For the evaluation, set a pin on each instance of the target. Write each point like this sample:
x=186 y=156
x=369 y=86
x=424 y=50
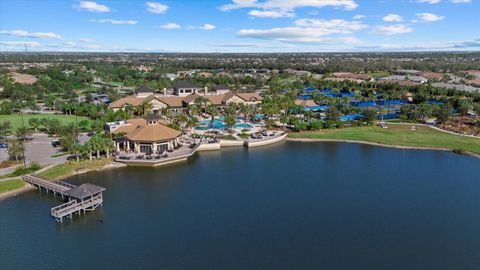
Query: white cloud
x=206 y=26
x=359 y=17
x=460 y=1
x=69 y=44
x=393 y=18
x=270 y=13
x=390 y=30
x=23 y=33
x=431 y=2
x=93 y=7
x=288 y=4
x=114 y=21
x=157 y=8
x=170 y=26
x=20 y=43
x=429 y=17
x=86 y=40
x=275 y=8
x=308 y=31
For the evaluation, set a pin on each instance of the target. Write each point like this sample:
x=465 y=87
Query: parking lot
x=40 y=149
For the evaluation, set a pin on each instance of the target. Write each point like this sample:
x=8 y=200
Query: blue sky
x=240 y=25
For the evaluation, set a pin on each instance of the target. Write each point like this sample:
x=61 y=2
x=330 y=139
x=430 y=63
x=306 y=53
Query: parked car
x=3 y=145
x=55 y=143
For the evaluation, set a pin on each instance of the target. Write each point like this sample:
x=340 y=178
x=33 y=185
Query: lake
x=287 y=206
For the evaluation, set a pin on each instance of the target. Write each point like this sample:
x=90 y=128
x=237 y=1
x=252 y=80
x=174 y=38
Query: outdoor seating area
x=180 y=151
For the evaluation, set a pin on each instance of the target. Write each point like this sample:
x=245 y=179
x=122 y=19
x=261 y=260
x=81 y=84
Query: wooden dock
x=86 y=197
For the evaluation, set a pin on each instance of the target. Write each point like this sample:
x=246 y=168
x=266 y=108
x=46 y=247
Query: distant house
x=184 y=88
x=432 y=76
x=408 y=72
x=352 y=76
x=221 y=89
x=456 y=86
x=143 y=94
x=144 y=91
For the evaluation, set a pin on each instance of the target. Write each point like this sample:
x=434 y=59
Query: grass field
x=69 y=169
x=11 y=185
x=379 y=74
x=399 y=135
x=16 y=119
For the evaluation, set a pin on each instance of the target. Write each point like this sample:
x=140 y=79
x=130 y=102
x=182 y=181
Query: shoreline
x=13 y=193
x=114 y=164
x=307 y=140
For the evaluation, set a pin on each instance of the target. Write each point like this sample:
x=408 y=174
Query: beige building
x=142 y=95
x=146 y=135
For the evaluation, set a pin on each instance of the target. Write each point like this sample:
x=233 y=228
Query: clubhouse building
x=147 y=135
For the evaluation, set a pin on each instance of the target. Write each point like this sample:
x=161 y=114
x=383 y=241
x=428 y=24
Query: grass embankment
x=16 y=119
x=71 y=168
x=397 y=135
x=9 y=185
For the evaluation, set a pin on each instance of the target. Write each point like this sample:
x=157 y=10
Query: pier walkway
x=86 y=197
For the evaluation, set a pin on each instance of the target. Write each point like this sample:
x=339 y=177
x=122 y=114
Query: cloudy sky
x=239 y=25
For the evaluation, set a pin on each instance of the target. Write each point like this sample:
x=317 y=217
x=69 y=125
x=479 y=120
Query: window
x=162 y=148
x=145 y=148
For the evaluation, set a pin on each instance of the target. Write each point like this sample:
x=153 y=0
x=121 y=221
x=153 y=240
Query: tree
x=212 y=111
x=34 y=123
x=143 y=109
x=17 y=149
x=369 y=115
x=230 y=121
x=332 y=113
x=382 y=111
x=181 y=120
x=443 y=113
x=5 y=128
x=231 y=109
x=22 y=133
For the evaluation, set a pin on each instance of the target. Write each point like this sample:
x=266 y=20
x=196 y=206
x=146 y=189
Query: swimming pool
x=219 y=124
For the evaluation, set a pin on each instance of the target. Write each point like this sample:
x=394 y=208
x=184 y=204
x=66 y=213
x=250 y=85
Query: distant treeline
x=314 y=62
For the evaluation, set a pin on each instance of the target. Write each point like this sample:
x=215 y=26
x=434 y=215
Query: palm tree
x=230 y=122
x=212 y=111
x=244 y=109
x=202 y=102
x=192 y=122
x=382 y=111
x=231 y=109
x=194 y=110
x=144 y=108
x=181 y=120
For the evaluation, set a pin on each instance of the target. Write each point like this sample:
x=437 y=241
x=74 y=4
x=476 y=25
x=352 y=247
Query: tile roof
x=173 y=101
x=153 y=133
x=250 y=96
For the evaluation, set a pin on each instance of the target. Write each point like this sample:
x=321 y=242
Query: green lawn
x=400 y=135
x=379 y=74
x=11 y=185
x=69 y=169
x=16 y=119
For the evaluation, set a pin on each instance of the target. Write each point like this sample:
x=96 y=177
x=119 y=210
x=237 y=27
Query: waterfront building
x=145 y=135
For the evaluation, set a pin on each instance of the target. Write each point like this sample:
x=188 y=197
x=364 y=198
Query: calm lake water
x=288 y=206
